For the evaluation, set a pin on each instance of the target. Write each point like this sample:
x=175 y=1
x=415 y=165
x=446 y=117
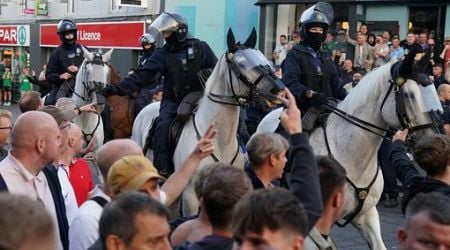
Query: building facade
x=210 y=20
x=28 y=29
x=396 y=16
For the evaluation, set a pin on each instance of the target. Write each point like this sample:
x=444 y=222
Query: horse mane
x=114 y=76
x=368 y=89
x=215 y=75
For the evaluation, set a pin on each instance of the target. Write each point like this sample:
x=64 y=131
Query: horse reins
x=215 y=158
x=88 y=136
x=362 y=193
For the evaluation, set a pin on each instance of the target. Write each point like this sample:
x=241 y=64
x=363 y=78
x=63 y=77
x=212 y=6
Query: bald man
x=35 y=139
x=77 y=169
x=84 y=228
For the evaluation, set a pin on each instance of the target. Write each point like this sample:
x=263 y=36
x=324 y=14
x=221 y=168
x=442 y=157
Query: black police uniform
x=144 y=96
x=68 y=53
x=179 y=65
x=307 y=69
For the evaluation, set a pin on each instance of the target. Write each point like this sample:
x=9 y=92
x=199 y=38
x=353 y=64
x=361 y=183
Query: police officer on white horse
x=65 y=61
x=179 y=61
x=308 y=72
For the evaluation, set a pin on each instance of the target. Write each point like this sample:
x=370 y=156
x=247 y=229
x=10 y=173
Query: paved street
x=345 y=238
x=349 y=238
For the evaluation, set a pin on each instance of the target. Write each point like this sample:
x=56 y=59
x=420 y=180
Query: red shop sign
x=124 y=35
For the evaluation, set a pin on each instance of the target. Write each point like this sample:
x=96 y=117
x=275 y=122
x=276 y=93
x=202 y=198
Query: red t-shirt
x=81 y=179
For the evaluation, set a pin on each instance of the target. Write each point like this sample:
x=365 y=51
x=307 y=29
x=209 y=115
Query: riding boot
x=162 y=156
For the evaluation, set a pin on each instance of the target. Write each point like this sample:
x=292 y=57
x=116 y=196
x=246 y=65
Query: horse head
x=414 y=103
x=93 y=75
x=250 y=74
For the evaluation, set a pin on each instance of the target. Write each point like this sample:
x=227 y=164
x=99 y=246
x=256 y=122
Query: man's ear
x=71 y=141
x=338 y=198
x=298 y=243
x=272 y=159
x=40 y=145
x=114 y=242
x=402 y=235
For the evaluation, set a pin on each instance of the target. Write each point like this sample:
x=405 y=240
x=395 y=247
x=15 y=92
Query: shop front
x=123 y=37
x=14 y=52
x=397 y=16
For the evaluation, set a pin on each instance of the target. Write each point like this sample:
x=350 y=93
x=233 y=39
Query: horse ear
x=423 y=62
x=251 y=40
x=107 y=56
x=231 y=42
x=87 y=55
x=405 y=69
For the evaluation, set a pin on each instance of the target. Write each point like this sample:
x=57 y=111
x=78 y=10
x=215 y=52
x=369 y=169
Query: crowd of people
x=52 y=200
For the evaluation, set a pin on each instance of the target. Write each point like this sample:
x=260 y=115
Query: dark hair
x=118 y=217
x=436 y=205
x=332 y=176
x=432 y=153
x=283 y=36
x=221 y=191
x=438 y=65
x=30 y=101
x=274 y=208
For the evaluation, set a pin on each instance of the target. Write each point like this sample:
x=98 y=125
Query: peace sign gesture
x=205 y=146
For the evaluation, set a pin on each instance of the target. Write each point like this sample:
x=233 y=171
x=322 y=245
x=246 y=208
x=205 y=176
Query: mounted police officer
x=307 y=72
x=148 y=43
x=64 y=62
x=179 y=61
x=144 y=96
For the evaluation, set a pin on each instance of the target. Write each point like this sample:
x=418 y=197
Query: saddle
x=184 y=112
x=317 y=116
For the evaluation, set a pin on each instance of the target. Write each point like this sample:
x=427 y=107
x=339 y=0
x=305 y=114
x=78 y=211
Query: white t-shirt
x=281 y=51
x=69 y=195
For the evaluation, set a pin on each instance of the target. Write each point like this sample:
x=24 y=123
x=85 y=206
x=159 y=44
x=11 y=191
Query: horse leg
x=368 y=226
x=190 y=202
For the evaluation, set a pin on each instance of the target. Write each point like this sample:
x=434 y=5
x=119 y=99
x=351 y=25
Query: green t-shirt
x=25 y=84
x=7 y=79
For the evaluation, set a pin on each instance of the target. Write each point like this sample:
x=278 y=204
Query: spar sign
x=123 y=35
x=15 y=35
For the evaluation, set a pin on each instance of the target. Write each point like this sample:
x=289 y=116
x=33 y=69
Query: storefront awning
x=266 y=2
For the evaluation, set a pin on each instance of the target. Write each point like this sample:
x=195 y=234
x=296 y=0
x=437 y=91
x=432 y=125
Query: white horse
x=93 y=75
x=376 y=100
x=240 y=74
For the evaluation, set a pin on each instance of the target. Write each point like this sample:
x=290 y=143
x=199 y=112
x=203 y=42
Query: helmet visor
x=164 y=22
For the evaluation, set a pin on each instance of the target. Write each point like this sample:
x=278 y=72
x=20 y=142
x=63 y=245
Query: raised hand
x=205 y=146
x=400 y=135
x=291 y=116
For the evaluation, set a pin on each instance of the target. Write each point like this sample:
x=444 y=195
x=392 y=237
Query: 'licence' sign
x=123 y=35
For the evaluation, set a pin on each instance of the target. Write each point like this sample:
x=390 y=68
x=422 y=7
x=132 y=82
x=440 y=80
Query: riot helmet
x=66 y=26
x=318 y=15
x=146 y=40
x=172 y=25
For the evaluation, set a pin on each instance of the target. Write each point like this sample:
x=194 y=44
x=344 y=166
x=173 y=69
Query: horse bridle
x=97 y=60
x=362 y=193
x=401 y=111
x=236 y=100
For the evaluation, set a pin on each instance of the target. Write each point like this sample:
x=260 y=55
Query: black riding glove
x=108 y=91
x=318 y=99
